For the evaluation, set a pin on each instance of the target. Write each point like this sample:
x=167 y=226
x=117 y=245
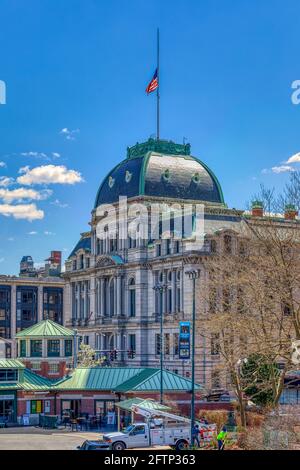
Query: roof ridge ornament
x=167 y=147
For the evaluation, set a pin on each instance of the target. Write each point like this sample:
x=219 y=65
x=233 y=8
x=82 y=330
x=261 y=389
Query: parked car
x=94 y=445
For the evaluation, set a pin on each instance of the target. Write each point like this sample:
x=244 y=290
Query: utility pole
x=193 y=275
x=160 y=288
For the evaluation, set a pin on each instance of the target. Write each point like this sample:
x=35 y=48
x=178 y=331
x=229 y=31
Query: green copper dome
x=162 y=169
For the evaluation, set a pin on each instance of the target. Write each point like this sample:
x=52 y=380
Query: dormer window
x=9 y=375
x=81 y=262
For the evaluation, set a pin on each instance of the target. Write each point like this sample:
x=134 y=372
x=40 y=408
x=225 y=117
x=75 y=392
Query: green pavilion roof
x=11 y=364
x=114 y=379
x=46 y=328
x=29 y=381
x=149 y=380
x=123 y=379
x=97 y=378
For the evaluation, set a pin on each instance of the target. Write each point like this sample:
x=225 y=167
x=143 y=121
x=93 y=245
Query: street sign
x=184 y=340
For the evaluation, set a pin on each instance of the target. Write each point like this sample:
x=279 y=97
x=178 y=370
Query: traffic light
x=131 y=354
x=113 y=355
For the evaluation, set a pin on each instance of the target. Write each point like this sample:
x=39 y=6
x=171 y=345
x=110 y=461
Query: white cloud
x=59 y=204
x=69 y=134
x=34 y=154
x=20 y=194
x=282 y=169
x=55 y=155
x=32 y=233
x=1 y=260
x=294 y=158
x=48 y=174
x=5 y=181
x=2 y=165
x=23 y=211
x=46 y=232
x=11 y=239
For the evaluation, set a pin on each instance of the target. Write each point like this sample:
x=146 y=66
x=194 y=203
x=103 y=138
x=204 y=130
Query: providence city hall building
x=117 y=287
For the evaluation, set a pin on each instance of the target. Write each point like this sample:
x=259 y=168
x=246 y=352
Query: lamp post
x=193 y=274
x=160 y=288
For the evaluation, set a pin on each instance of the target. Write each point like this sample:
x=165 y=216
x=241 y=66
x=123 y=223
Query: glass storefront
x=8 y=408
x=71 y=408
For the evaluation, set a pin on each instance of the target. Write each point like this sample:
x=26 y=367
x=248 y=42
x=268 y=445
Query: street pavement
x=32 y=438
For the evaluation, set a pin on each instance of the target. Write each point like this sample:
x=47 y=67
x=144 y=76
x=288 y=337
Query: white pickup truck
x=144 y=435
x=160 y=428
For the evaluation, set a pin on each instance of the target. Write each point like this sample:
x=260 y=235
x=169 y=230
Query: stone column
x=93 y=308
x=102 y=296
x=174 y=291
x=165 y=292
x=115 y=296
x=119 y=297
x=126 y=296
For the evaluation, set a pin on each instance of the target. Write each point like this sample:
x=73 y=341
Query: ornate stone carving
x=160 y=146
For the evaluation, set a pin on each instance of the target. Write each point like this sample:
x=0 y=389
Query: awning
x=146 y=403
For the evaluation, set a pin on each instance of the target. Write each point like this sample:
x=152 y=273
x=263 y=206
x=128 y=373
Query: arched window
x=228 y=244
x=132 y=298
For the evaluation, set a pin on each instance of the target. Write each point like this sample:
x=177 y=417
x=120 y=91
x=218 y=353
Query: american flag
x=153 y=84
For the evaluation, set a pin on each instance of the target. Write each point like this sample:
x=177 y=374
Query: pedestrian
x=195 y=435
x=222 y=438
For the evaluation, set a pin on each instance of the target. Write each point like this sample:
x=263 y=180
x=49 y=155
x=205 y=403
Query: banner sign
x=184 y=340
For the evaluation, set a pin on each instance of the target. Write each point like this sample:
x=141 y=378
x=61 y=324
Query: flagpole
x=157 y=90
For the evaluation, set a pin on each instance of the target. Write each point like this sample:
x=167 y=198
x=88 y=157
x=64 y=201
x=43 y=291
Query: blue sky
x=226 y=72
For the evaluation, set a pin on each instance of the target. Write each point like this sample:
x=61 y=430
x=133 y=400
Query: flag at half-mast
x=153 y=84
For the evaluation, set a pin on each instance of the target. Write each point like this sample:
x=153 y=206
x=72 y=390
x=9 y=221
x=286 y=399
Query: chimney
x=290 y=212
x=257 y=209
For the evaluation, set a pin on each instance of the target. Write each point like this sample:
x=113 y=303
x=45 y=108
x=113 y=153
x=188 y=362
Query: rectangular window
x=36 y=348
x=158 y=249
x=167 y=344
x=215 y=344
x=36 y=407
x=170 y=307
x=176 y=344
x=157 y=344
x=2 y=314
x=68 y=347
x=215 y=379
x=132 y=343
x=23 y=348
x=178 y=299
x=36 y=366
x=3 y=332
x=27 y=315
x=53 y=368
x=53 y=348
x=8 y=375
x=132 y=302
